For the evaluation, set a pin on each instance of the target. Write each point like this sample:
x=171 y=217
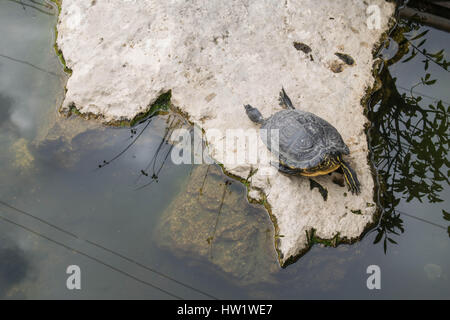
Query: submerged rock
x=211 y=220
x=217 y=55
x=23 y=157
x=64 y=141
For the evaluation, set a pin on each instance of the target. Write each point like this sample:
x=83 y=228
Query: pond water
x=129 y=225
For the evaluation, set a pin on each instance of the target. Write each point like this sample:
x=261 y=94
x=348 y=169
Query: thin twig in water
x=164 y=140
x=126 y=148
x=204 y=179
x=211 y=238
x=29 y=64
x=155 y=174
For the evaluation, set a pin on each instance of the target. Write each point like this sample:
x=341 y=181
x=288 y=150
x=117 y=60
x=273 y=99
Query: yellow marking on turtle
x=327 y=169
x=349 y=173
x=290 y=167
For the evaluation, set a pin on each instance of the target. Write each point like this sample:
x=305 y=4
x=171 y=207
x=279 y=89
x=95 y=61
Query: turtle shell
x=304 y=138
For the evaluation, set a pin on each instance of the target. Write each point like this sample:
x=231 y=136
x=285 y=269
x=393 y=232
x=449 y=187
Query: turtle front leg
x=284 y=169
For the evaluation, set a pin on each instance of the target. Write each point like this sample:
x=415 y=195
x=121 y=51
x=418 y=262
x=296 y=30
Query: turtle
x=307 y=144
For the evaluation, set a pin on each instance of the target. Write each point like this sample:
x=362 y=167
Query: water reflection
x=15 y=266
x=42 y=7
x=5 y=108
x=409 y=138
x=30 y=65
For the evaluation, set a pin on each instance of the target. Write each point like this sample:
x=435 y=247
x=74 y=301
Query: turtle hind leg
x=285 y=102
x=350 y=177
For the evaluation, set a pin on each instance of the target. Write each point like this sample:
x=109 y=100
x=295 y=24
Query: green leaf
x=420 y=35
x=392 y=240
x=413 y=54
x=446 y=215
x=378 y=237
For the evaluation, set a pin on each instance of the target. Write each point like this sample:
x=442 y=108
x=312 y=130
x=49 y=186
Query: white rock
x=217 y=55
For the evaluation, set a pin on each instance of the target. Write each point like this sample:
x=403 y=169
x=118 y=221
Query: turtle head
x=254 y=114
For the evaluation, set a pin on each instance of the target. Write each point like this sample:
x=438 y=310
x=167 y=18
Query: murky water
x=142 y=227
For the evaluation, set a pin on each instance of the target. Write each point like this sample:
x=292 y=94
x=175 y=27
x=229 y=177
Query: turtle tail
x=350 y=176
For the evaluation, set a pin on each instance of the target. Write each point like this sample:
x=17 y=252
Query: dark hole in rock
x=346 y=58
x=336 y=67
x=302 y=47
